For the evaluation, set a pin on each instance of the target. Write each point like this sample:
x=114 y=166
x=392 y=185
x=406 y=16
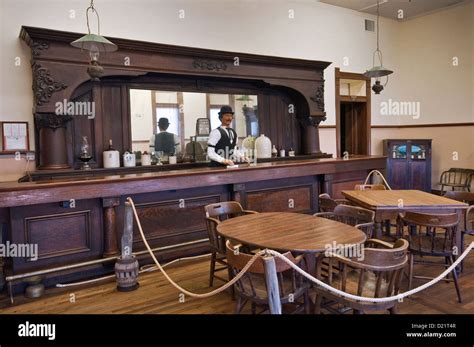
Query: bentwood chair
x=251 y=287
x=328 y=204
x=430 y=235
x=370 y=187
x=376 y=274
x=359 y=217
x=456 y=178
x=215 y=214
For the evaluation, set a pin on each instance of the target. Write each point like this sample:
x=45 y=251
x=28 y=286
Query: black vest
x=164 y=141
x=224 y=147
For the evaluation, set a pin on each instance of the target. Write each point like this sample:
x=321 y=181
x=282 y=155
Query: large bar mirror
x=177 y=113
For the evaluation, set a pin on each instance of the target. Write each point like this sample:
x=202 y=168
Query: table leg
x=310 y=260
x=378 y=229
x=459 y=239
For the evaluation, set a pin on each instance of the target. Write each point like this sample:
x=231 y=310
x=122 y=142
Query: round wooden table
x=294 y=232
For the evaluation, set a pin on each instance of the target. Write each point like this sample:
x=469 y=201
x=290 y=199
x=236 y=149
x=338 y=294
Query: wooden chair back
x=370 y=187
x=429 y=233
x=352 y=215
x=456 y=178
x=326 y=203
x=216 y=213
x=377 y=274
x=467 y=197
x=224 y=210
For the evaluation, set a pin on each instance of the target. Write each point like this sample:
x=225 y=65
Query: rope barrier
x=374 y=300
x=298 y=269
x=380 y=174
x=145 y=268
x=173 y=283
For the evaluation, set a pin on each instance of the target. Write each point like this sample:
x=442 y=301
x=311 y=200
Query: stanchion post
x=271 y=279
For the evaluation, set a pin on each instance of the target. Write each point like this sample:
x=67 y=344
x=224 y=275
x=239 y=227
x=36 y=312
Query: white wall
x=425 y=73
x=141 y=113
x=194 y=108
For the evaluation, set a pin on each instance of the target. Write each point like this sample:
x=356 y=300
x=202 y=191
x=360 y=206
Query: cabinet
x=408 y=164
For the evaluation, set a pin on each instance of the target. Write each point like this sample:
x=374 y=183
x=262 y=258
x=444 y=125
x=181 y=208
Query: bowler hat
x=163 y=121
x=225 y=110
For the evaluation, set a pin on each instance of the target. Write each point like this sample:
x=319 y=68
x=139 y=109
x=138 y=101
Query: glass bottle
x=274 y=152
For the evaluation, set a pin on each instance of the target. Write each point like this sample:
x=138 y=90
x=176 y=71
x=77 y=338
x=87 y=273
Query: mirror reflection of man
x=222 y=140
x=164 y=141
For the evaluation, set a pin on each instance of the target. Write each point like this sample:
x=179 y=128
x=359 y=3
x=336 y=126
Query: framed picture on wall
x=15 y=136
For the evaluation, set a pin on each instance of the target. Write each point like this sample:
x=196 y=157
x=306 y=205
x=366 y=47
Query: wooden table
x=296 y=232
x=388 y=203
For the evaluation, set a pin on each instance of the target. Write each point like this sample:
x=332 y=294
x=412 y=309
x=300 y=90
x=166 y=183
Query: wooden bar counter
x=80 y=219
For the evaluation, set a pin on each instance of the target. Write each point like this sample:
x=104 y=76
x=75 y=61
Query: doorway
x=353 y=131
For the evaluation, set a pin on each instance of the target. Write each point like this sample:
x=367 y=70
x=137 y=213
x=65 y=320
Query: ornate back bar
x=290 y=91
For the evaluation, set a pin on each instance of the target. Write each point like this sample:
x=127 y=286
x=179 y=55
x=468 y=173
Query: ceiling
x=390 y=8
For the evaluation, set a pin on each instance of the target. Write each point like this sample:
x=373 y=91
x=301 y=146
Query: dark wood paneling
x=275 y=195
x=408 y=172
x=63 y=235
x=112 y=120
x=336 y=183
x=68 y=241
x=174 y=216
x=282 y=200
x=167 y=219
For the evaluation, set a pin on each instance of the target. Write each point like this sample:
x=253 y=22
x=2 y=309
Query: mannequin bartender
x=222 y=140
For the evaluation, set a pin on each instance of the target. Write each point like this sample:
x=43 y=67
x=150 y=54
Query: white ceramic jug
x=263 y=147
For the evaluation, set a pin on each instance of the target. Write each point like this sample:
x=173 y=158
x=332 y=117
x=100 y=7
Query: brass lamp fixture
x=94 y=44
x=377 y=71
x=247 y=99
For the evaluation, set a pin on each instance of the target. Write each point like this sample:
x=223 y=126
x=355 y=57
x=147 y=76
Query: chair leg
x=317 y=304
x=393 y=310
x=238 y=305
x=462 y=249
x=231 y=276
x=455 y=278
x=213 y=269
x=254 y=308
x=410 y=271
x=387 y=227
x=306 y=303
x=447 y=262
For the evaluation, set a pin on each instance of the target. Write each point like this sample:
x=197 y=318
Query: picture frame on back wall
x=15 y=137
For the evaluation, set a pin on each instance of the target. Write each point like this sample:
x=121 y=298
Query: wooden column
x=111 y=246
x=238 y=194
x=311 y=134
x=52 y=141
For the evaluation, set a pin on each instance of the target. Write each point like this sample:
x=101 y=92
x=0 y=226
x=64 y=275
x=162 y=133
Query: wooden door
x=354 y=128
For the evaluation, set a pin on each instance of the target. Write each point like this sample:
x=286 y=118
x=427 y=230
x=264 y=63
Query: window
x=171 y=112
x=214 y=116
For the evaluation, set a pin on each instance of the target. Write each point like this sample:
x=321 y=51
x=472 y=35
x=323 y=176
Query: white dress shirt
x=214 y=137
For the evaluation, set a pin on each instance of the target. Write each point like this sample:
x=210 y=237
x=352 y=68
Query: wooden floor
x=156 y=295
